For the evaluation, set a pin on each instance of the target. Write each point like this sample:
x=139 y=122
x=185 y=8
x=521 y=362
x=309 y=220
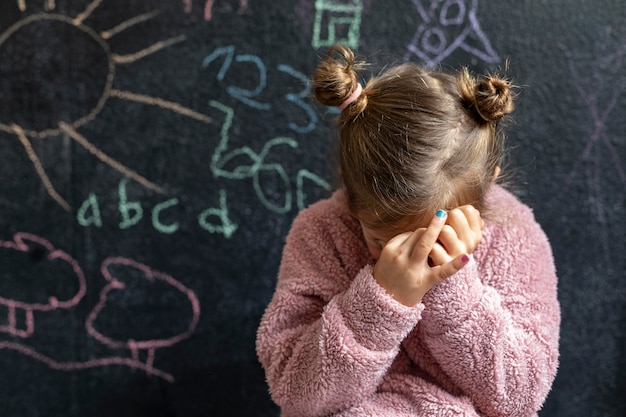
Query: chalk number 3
x=249 y=96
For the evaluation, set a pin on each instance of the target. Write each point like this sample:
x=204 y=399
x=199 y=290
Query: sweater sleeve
x=326 y=339
x=494 y=326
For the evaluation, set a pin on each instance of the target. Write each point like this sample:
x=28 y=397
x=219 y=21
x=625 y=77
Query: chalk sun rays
x=70 y=127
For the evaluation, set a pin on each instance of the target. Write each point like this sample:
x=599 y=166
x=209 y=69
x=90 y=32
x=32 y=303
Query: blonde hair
x=414 y=140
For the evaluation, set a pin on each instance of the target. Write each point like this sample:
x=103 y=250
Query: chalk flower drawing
x=446 y=26
x=47 y=60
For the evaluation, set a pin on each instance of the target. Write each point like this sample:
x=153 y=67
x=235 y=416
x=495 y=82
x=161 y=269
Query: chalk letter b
x=126 y=208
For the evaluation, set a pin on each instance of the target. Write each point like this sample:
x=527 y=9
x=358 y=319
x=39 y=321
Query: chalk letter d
x=227 y=228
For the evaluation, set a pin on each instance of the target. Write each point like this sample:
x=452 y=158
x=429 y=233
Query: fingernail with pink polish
x=465 y=259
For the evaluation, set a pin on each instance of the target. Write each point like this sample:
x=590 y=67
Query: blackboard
x=155 y=152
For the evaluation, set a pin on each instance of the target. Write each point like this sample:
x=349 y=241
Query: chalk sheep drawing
x=31 y=257
x=447 y=26
x=41 y=259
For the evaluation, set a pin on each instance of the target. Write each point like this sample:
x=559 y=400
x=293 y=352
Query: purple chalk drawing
x=52 y=264
x=446 y=26
x=600 y=93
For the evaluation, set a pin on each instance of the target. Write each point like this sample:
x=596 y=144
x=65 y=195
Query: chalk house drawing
x=97 y=45
x=337 y=21
x=447 y=26
x=132 y=351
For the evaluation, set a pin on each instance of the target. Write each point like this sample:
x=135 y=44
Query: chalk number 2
x=249 y=96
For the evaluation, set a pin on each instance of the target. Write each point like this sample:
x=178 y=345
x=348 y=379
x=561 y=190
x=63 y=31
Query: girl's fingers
x=438 y=255
x=423 y=244
x=468 y=225
x=449 y=239
x=452 y=267
x=399 y=240
x=458 y=220
x=472 y=215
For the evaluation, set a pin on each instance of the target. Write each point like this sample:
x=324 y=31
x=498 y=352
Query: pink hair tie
x=352 y=97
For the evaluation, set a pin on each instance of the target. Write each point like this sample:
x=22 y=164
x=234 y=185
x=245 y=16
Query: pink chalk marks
x=134 y=270
x=30 y=257
x=125 y=318
x=208 y=7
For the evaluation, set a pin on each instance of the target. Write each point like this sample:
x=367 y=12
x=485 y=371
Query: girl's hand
x=460 y=235
x=403 y=269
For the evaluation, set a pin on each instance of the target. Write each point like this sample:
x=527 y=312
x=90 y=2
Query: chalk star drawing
x=208 y=7
x=45 y=260
x=446 y=26
x=337 y=15
x=47 y=61
x=594 y=91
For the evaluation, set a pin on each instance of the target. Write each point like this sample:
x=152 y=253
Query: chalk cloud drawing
x=600 y=90
x=117 y=271
x=446 y=26
x=46 y=265
x=337 y=22
x=97 y=45
x=208 y=7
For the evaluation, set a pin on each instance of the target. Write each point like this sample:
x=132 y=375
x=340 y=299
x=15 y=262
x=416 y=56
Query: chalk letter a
x=91 y=203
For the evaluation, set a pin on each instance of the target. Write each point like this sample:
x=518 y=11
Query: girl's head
x=414 y=140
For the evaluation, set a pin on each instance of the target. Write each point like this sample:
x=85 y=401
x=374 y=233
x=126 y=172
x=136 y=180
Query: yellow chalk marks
x=108 y=34
x=159 y=102
x=39 y=168
x=108 y=160
x=126 y=59
x=88 y=11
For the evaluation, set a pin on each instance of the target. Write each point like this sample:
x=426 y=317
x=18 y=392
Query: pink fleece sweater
x=482 y=343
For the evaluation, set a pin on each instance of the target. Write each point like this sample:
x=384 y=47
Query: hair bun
x=335 y=79
x=491 y=98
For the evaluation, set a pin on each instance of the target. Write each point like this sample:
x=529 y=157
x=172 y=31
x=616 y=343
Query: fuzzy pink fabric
x=482 y=343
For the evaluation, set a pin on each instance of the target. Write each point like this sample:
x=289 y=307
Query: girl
x=420 y=288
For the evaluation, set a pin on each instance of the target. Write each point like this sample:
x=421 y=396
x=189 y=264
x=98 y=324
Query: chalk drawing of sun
x=37 y=67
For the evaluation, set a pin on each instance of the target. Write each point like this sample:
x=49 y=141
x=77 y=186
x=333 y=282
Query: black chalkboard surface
x=155 y=152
